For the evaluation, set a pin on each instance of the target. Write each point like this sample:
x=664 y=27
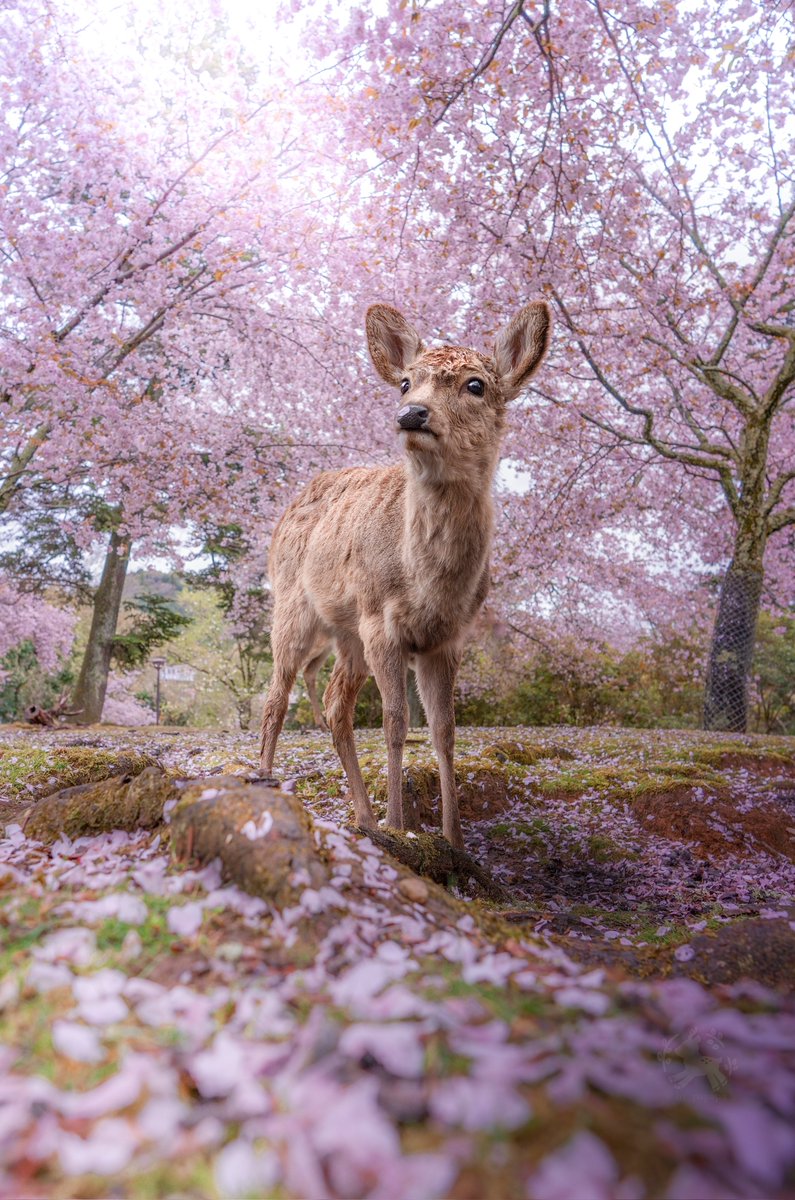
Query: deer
x=392 y=564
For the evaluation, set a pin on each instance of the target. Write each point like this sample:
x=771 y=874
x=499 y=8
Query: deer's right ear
x=392 y=342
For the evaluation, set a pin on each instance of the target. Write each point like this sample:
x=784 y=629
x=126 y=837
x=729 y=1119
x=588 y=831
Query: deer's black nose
x=413 y=416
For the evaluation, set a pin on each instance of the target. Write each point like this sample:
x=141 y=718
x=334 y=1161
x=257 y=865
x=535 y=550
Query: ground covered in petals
x=621 y=1025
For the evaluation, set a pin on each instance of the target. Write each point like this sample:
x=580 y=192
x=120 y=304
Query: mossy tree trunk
x=89 y=695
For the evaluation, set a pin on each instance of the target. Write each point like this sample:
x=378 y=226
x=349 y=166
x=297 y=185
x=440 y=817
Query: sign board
x=179 y=673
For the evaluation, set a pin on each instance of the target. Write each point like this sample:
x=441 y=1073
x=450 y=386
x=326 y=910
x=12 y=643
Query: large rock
x=263 y=837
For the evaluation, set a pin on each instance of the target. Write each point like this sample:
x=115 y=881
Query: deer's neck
x=447 y=532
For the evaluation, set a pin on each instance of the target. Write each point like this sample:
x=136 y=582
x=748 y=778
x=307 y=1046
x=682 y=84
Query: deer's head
x=452 y=417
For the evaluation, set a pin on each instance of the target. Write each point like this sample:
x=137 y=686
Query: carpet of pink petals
x=404 y=1054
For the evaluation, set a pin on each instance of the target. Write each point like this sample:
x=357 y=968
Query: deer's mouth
x=419 y=433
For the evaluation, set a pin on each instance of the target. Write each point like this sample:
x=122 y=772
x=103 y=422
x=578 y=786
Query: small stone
x=413 y=889
x=231 y=951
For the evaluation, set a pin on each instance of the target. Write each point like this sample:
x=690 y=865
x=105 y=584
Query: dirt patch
x=715 y=823
x=765 y=766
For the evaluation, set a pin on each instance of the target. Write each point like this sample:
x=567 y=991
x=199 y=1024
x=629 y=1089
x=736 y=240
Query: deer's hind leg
x=293 y=635
x=342 y=689
x=309 y=673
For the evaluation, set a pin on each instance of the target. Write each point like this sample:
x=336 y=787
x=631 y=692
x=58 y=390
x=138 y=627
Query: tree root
x=431 y=855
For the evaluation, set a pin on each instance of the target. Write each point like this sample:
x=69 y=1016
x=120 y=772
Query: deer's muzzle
x=413 y=416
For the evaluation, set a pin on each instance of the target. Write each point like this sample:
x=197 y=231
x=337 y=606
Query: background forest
x=195 y=217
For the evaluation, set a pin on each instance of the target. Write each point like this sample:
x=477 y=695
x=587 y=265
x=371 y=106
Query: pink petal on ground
x=355 y=1128
x=44 y=976
x=240 y=1170
x=682 y=1000
x=98 y=997
x=151 y=877
x=115 y=1094
x=763 y=1145
x=130 y=909
x=254 y=830
x=67 y=945
x=186 y=919
x=397 y=1046
x=363 y=981
x=478 y=1104
x=161 y=1117
x=76 y=1041
x=303 y=1175
x=420 y=1176
x=106 y=1151
x=583 y=998
x=218 y=1069
x=584 y=1168
x=697 y=1185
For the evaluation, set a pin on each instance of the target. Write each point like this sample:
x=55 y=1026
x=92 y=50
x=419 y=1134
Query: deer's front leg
x=436 y=675
x=388 y=662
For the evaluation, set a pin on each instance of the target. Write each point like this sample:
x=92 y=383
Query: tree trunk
x=732 y=649
x=89 y=696
x=243 y=706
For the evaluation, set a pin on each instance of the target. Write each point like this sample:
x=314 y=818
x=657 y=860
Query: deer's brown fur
x=392 y=563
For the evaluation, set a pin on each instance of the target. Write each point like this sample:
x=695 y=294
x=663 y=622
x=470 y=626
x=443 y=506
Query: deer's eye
x=404 y=386
x=475 y=386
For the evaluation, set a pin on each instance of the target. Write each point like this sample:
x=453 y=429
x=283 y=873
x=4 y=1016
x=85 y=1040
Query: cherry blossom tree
x=634 y=163
x=153 y=226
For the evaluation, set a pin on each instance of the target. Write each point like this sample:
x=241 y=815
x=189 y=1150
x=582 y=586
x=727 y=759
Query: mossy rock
x=526 y=753
x=92 y=808
x=263 y=837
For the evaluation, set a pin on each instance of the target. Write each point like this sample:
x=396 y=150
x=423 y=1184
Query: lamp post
x=157 y=663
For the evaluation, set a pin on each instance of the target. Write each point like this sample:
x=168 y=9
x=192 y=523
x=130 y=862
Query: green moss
x=506 y=1003
x=39 y=771
x=188 y=1178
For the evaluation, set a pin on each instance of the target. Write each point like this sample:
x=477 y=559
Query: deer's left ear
x=520 y=347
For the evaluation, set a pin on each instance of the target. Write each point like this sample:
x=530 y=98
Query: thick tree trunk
x=89 y=696
x=732 y=650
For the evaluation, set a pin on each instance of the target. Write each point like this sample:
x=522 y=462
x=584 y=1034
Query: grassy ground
x=623 y=1021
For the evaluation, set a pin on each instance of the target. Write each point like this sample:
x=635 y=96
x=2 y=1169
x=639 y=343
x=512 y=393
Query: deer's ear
x=393 y=343
x=520 y=347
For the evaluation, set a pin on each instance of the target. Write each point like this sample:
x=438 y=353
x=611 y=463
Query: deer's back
x=342 y=535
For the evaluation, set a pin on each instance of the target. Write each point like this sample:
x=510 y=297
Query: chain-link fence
x=726 y=695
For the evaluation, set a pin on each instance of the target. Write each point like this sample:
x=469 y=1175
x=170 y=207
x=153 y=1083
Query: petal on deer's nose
x=412 y=416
